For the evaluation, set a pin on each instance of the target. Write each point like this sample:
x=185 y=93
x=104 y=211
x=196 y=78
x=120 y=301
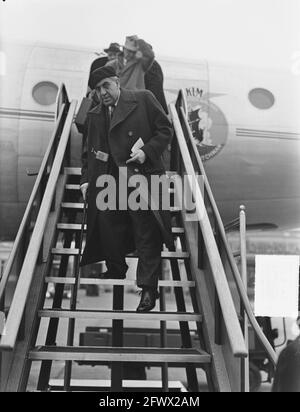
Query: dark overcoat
x=137 y=115
x=154 y=81
x=287 y=374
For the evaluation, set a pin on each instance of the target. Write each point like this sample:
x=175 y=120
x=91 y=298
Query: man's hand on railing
x=84 y=190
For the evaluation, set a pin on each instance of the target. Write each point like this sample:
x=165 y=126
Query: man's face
x=112 y=56
x=108 y=91
x=128 y=54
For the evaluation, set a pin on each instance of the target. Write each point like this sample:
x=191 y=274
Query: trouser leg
x=149 y=244
x=117 y=268
x=113 y=227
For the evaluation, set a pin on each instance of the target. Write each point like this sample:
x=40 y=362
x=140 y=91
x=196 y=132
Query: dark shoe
x=109 y=275
x=148 y=299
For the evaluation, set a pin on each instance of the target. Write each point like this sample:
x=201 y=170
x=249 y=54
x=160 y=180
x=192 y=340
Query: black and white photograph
x=149 y=199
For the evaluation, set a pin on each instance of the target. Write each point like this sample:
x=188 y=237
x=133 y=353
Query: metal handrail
x=230 y=317
x=245 y=375
x=62 y=98
x=18 y=304
x=233 y=266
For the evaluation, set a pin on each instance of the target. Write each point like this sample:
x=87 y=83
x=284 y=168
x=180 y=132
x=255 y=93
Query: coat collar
x=127 y=103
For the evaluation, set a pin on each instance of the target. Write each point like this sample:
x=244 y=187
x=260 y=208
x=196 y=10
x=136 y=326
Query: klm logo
x=194 y=92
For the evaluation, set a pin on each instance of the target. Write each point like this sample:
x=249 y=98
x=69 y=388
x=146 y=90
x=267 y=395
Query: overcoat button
x=136 y=170
x=130 y=134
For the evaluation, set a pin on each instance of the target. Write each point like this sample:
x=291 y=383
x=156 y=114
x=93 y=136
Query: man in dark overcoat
x=128 y=131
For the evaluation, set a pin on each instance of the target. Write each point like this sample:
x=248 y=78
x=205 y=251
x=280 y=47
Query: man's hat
x=100 y=74
x=114 y=48
x=131 y=43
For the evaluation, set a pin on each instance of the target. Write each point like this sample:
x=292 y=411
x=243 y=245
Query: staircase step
x=76 y=171
x=80 y=206
x=73 y=171
x=170 y=173
x=70 y=226
x=120 y=315
x=164 y=255
x=77 y=227
x=77 y=187
x=72 y=187
x=66 y=205
x=65 y=251
x=117 y=282
x=96 y=385
x=105 y=354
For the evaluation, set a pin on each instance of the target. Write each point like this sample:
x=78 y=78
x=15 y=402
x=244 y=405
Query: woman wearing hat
x=113 y=51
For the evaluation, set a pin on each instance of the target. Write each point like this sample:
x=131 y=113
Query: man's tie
x=111 y=111
x=109 y=115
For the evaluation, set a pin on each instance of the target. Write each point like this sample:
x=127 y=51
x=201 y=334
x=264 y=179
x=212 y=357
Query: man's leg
x=116 y=269
x=149 y=245
x=113 y=227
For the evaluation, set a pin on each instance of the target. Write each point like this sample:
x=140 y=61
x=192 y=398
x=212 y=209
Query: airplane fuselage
x=244 y=121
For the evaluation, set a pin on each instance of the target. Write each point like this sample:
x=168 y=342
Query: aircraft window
x=262 y=99
x=45 y=93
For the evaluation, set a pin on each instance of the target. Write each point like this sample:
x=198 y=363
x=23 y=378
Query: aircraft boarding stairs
x=202 y=263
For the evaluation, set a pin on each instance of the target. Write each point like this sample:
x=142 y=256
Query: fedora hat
x=131 y=43
x=114 y=48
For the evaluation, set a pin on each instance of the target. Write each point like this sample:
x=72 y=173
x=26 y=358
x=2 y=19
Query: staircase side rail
x=32 y=203
x=229 y=313
x=221 y=230
x=14 y=318
x=62 y=99
x=62 y=105
x=245 y=372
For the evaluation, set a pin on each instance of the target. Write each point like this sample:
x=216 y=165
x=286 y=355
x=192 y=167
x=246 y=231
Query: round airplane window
x=262 y=98
x=45 y=93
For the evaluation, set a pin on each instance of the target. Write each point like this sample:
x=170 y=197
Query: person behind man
x=138 y=57
x=154 y=81
x=124 y=120
x=113 y=51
